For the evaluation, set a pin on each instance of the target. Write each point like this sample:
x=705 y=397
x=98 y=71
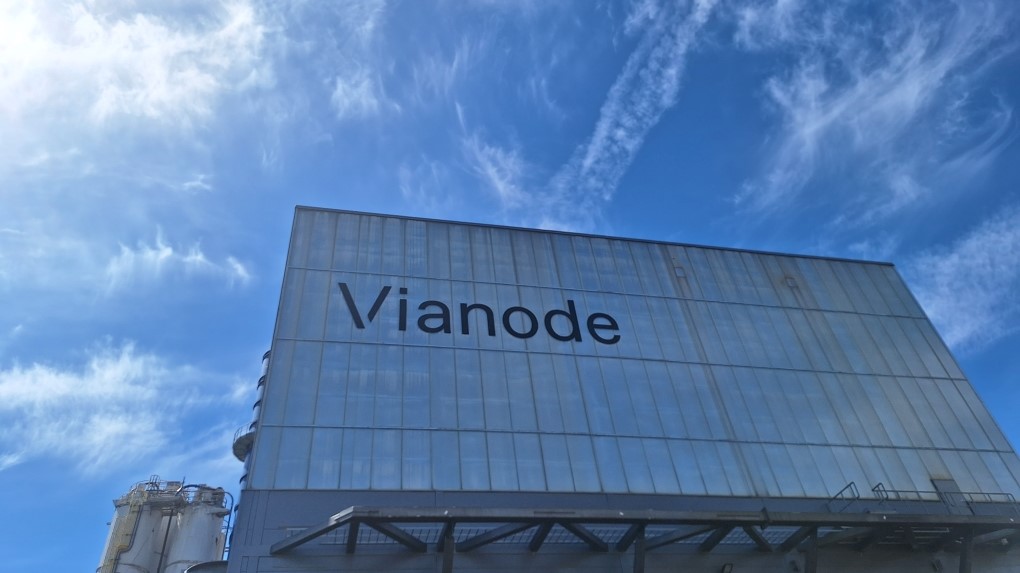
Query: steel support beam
x=334 y=522
x=352 y=537
x=539 y=537
x=492 y=535
x=639 y=552
x=908 y=538
x=712 y=540
x=445 y=536
x=581 y=532
x=993 y=536
x=449 y=548
x=676 y=535
x=796 y=538
x=811 y=553
x=399 y=535
x=947 y=540
x=966 y=548
x=629 y=536
x=755 y=534
x=849 y=534
x=876 y=535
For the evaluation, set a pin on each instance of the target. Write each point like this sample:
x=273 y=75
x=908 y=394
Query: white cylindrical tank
x=136 y=533
x=164 y=527
x=198 y=532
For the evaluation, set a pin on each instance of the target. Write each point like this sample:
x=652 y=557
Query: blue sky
x=153 y=153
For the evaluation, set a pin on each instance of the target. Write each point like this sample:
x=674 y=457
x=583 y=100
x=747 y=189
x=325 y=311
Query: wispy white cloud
x=971 y=289
x=87 y=65
x=346 y=55
x=119 y=408
x=147 y=263
x=502 y=170
x=357 y=95
x=644 y=90
x=876 y=92
x=425 y=186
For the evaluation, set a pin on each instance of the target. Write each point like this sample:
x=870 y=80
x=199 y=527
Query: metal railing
x=847 y=495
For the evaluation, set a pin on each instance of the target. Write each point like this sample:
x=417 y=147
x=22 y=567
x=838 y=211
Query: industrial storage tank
x=165 y=527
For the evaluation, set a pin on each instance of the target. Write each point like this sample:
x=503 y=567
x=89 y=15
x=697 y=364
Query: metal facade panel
x=421 y=355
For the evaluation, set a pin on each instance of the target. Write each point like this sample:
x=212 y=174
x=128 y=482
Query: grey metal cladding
x=735 y=372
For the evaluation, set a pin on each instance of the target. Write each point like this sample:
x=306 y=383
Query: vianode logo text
x=436 y=316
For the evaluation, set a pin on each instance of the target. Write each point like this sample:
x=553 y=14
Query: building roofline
x=590 y=235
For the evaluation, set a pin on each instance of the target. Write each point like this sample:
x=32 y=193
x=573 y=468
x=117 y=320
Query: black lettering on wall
x=532 y=329
x=609 y=324
x=571 y=315
x=443 y=316
x=466 y=308
x=353 y=308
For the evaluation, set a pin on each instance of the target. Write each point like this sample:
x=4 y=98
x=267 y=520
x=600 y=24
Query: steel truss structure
x=457 y=530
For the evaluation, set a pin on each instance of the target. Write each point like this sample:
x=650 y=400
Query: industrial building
x=161 y=526
x=444 y=396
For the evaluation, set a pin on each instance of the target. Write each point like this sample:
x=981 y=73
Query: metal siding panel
x=935 y=342
x=913 y=331
x=747 y=320
x=680 y=256
x=265 y=457
x=370 y=246
x=620 y=407
x=416 y=388
x=904 y=347
x=664 y=401
x=386 y=459
x=899 y=287
x=864 y=341
x=582 y=463
x=964 y=415
x=732 y=346
x=822 y=411
x=416 y=455
x=848 y=420
x=977 y=407
x=785 y=470
x=777 y=397
x=607 y=457
x=523 y=258
x=470 y=409
x=833 y=284
x=915 y=394
x=870 y=420
x=802 y=411
x=303 y=384
x=859 y=301
x=644 y=328
x=654 y=276
x=686 y=467
x=623 y=260
x=324 y=466
x=502 y=461
x=645 y=410
x=345 y=242
x=814 y=284
x=572 y=405
x=702 y=272
x=787 y=336
x=747 y=423
x=692 y=416
x=547 y=400
x=557 y=463
x=460 y=253
x=660 y=464
x=635 y=465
